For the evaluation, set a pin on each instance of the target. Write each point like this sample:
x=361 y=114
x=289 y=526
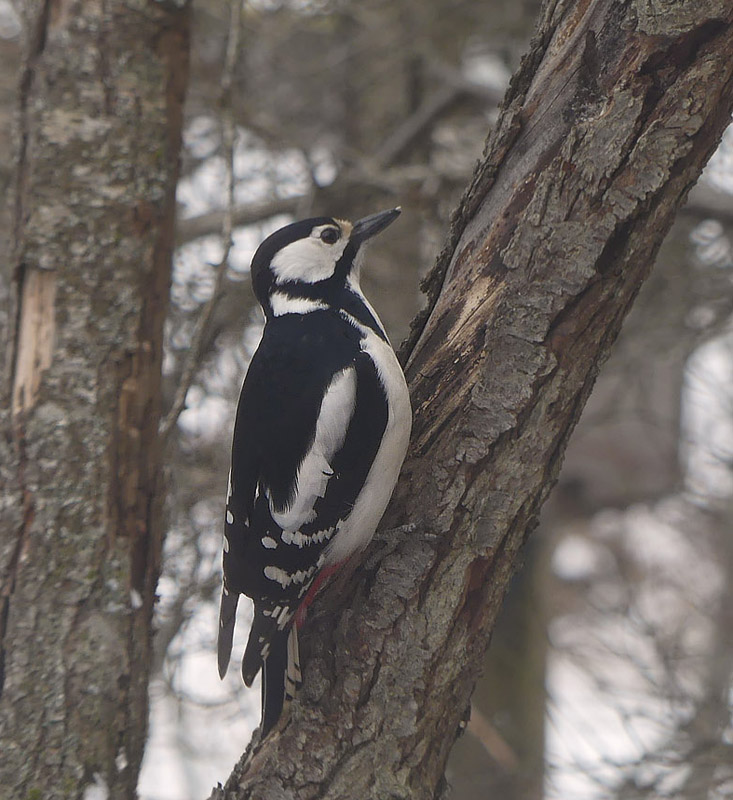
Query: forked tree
x=604 y=129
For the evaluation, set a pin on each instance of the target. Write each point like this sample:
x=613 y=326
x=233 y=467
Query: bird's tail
x=227 y=617
x=280 y=678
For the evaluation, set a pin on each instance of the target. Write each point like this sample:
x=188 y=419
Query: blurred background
x=610 y=672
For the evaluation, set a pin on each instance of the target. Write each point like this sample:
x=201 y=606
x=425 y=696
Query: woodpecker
x=321 y=431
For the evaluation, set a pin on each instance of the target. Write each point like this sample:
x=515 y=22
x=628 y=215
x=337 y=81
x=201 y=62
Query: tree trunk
x=100 y=112
x=605 y=128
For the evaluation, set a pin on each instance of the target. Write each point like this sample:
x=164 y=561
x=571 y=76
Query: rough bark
x=605 y=128
x=99 y=129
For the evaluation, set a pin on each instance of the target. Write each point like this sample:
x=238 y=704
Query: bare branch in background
x=193 y=359
x=206 y=224
x=706 y=201
x=599 y=139
x=414 y=125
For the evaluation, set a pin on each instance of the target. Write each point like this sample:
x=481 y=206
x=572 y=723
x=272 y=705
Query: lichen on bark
x=606 y=126
x=100 y=113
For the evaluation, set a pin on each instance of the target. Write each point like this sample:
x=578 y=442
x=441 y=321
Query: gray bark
x=99 y=129
x=605 y=128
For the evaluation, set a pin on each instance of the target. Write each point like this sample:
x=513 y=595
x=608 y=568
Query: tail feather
x=274 y=670
x=293 y=674
x=227 y=618
x=280 y=678
x=258 y=645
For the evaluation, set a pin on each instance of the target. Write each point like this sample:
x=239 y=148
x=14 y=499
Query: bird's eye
x=329 y=235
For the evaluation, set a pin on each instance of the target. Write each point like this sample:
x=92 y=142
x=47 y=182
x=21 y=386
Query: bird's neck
x=346 y=300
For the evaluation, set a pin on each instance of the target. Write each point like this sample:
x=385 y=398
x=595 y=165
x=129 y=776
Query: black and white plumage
x=321 y=432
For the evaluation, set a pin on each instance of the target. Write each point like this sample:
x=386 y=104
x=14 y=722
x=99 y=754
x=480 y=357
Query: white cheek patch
x=307 y=260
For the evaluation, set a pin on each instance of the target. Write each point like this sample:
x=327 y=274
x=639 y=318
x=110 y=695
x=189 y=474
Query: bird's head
x=311 y=260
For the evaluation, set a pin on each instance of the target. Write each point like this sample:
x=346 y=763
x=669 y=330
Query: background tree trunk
x=100 y=110
x=605 y=128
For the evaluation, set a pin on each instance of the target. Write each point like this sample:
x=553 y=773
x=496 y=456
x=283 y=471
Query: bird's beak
x=373 y=224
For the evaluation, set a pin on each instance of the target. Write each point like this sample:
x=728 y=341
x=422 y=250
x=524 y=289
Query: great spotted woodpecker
x=321 y=432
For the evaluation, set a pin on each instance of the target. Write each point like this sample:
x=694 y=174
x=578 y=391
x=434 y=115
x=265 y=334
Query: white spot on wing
x=226 y=544
x=277 y=574
x=315 y=471
x=230 y=517
x=269 y=542
x=284 y=578
x=300 y=539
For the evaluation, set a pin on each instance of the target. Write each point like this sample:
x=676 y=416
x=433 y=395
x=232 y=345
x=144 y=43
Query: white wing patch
x=337 y=408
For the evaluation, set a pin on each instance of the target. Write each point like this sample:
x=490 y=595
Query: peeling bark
x=605 y=128
x=99 y=129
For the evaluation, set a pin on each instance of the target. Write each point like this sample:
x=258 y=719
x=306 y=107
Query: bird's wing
x=295 y=407
x=293 y=420
x=292 y=557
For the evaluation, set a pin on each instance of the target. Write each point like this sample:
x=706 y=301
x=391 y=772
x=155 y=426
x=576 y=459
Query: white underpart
x=308 y=260
x=315 y=470
x=284 y=304
x=355 y=532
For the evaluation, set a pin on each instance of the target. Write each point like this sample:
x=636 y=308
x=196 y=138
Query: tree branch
x=100 y=116
x=605 y=127
x=363 y=174
x=203 y=321
x=705 y=201
x=206 y=224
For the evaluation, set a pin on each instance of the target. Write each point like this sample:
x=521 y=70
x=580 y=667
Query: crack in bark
x=35 y=45
x=75 y=558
